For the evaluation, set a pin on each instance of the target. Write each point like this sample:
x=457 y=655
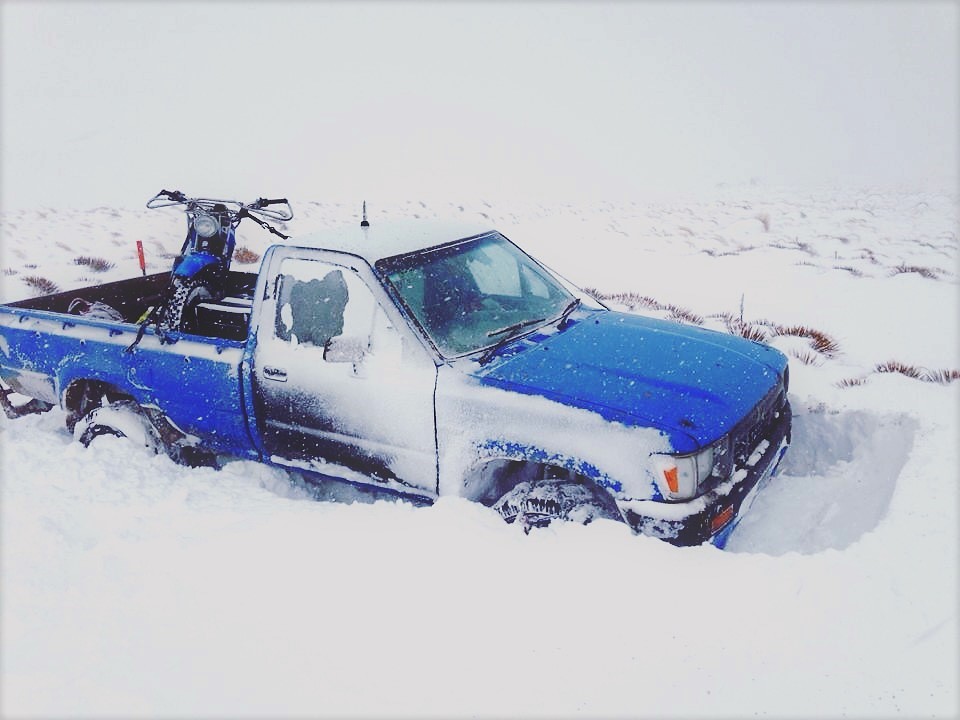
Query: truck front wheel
x=558 y=495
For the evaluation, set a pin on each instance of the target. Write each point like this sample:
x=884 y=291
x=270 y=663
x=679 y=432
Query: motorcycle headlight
x=206 y=225
x=679 y=477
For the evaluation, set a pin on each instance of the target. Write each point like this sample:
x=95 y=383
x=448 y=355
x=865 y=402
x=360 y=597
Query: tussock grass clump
x=634 y=300
x=926 y=272
x=895 y=366
x=594 y=293
x=819 y=341
x=851 y=382
x=679 y=313
x=807 y=357
x=9 y=272
x=852 y=270
x=245 y=256
x=943 y=377
x=42 y=285
x=96 y=264
x=747 y=330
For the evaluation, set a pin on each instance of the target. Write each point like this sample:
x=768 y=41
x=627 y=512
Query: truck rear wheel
x=122 y=418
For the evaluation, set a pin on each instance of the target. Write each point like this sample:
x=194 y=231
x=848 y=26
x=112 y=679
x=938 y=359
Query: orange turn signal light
x=672 y=478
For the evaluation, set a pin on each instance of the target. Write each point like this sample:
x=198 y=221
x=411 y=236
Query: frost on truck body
x=349 y=379
x=476 y=422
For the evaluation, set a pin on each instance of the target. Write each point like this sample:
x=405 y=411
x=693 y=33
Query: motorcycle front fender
x=192 y=265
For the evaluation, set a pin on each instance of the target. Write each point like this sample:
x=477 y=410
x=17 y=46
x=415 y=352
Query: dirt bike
x=201 y=267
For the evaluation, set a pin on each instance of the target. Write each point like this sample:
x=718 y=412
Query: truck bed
x=196 y=381
x=133 y=297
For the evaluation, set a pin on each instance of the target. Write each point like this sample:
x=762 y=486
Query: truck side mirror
x=342 y=349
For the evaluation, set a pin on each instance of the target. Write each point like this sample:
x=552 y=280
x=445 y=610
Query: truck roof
x=387 y=239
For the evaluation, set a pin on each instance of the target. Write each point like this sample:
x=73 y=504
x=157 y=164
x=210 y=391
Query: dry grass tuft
x=851 y=382
x=679 y=313
x=245 y=256
x=9 y=272
x=895 y=366
x=41 y=285
x=929 y=273
x=852 y=270
x=807 y=357
x=819 y=341
x=943 y=377
x=747 y=330
x=634 y=300
x=96 y=264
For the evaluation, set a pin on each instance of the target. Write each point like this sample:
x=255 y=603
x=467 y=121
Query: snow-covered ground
x=135 y=587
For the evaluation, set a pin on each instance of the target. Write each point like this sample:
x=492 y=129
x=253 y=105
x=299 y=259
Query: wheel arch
x=83 y=394
x=500 y=466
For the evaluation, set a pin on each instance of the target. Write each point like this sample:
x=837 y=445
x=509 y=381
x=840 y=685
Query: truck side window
x=318 y=301
x=312 y=310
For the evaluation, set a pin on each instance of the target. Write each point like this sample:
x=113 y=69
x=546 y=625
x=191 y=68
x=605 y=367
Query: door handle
x=273 y=373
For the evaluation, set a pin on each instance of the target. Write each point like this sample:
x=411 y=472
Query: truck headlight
x=679 y=477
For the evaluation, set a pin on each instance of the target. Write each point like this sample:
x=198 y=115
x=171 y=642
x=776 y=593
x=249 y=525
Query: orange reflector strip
x=673 y=481
x=722 y=518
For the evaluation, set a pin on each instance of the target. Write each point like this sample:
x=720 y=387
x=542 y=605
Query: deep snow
x=131 y=586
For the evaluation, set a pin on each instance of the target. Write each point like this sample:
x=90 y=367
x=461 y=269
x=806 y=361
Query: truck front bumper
x=713 y=515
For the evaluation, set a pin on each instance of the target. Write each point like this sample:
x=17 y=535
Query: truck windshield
x=467 y=296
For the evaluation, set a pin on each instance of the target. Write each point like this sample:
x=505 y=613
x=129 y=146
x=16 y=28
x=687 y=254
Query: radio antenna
x=363 y=222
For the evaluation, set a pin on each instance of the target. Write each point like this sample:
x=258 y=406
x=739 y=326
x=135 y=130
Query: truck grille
x=756 y=425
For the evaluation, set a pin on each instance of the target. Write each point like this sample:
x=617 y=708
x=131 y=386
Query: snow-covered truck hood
x=692 y=384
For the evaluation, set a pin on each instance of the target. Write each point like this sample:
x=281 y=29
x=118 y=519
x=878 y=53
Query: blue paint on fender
x=692 y=384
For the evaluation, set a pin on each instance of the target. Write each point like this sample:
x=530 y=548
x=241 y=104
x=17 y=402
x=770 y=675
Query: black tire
x=123 y=419
x=179 y=313
x=538 y=503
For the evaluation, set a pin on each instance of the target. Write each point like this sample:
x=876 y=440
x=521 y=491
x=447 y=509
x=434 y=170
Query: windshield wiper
x=565 y=315
x=516 y=326
x=508 y=333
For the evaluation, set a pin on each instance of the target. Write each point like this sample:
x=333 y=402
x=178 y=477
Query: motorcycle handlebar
x=167 y=198
x=260 y=205
x=174 y=196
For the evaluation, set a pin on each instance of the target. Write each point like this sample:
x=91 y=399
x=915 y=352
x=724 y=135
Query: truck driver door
x=340 y=385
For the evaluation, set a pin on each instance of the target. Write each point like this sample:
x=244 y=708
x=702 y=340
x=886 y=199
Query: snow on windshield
x=465 y=296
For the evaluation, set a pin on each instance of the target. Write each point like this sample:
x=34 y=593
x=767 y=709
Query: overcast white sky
x=103 y=103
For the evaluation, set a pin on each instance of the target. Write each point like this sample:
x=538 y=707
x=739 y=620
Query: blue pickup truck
x=425 y=360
